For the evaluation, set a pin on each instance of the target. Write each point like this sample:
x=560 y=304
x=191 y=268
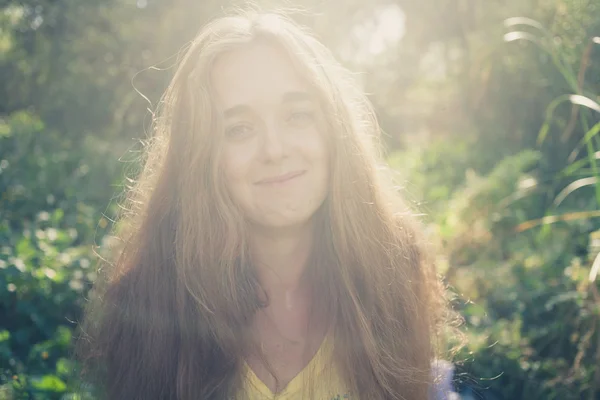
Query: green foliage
x=520 y=237
x=47 y=227
x=507 y=172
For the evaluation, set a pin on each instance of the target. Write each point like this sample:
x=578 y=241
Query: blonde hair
x=170 y=316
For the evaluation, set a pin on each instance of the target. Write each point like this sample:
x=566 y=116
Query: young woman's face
x=274 y=156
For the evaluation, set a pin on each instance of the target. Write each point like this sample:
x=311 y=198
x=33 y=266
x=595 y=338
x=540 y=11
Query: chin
x=284 y=221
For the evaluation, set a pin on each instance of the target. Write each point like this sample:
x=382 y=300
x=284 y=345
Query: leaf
x=57 y=215
x=64 y=367
x=591 y=133
x=577 y=165
x=562 y=298
x=549 y=114
x=595 y=268
x=63 y=336
x=573 y=186
x=519 y=35
x=551 y=219
x=5 y=130
x=514 y=21
x=49 y=383
x=24 y=249
x=584 y=101
x=23 y=123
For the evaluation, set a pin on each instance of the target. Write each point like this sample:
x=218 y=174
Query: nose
x=273 y=146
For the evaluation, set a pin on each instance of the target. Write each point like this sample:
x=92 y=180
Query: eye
x=238 y=131
x=301 y=117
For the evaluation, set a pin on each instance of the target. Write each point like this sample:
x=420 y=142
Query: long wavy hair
x=170 y=312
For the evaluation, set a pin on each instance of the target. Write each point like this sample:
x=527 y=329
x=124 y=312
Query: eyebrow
x=291 y=97
x=288 y=97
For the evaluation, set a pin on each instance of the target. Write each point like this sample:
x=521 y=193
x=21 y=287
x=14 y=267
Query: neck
x=281 y=256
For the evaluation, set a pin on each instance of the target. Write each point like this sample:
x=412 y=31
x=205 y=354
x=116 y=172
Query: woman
x=265 y=254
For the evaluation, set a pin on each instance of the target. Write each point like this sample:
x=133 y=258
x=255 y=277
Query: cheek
x=236 y=165
x=316 y=148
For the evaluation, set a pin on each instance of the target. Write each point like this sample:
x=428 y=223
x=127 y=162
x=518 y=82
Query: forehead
x=254 y=73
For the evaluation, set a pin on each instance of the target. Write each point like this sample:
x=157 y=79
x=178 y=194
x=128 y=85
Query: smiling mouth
x=281 y=178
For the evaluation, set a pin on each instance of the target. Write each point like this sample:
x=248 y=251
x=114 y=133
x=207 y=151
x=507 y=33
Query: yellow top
x=317 y=381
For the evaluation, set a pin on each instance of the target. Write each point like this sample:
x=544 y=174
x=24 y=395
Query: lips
x=281 y=178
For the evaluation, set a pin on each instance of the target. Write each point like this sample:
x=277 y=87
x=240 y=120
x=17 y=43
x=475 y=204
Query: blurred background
x=491 y=119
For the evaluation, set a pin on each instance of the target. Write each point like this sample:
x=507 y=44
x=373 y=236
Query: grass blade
x=576 y=166
x=514 y=21
x=543 y=133
x=551 y=219
x=573 y=186
x=586 y=139
x=595 y=268
x=520 y=35
x=584 y=101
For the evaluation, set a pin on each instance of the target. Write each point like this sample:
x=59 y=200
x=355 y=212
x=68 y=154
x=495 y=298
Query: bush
x=46 y=261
